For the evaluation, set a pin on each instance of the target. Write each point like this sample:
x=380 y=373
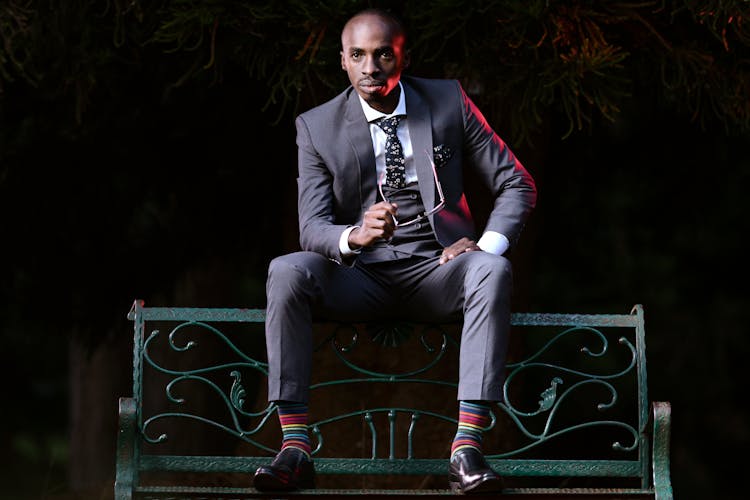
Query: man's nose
x=369 y=67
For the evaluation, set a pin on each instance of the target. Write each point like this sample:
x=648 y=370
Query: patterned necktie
x=395 y=164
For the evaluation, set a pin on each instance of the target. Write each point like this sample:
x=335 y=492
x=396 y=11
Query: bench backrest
x=576 y=401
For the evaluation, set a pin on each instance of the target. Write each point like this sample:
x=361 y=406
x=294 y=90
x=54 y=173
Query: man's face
x=373 y=56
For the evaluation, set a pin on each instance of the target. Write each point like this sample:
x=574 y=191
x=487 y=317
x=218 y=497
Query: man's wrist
x=344 y=247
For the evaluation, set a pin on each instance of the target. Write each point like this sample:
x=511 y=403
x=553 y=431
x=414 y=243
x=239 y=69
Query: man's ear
x=343 y=66
x=407 y=59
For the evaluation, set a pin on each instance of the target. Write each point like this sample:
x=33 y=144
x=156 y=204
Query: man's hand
x=377 y=224
x=456 y=249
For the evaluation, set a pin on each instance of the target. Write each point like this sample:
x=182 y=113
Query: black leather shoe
x=291 y=469
x=470 y=473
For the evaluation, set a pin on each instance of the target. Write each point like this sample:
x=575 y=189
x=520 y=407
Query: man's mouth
x=371 y=84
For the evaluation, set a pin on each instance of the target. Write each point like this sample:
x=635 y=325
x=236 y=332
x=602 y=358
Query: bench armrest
x=126 y=460
x=662 y=412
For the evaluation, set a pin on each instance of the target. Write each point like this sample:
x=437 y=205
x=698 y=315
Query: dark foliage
x=128 y=170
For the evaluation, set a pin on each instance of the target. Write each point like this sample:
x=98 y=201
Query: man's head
x=373 y=54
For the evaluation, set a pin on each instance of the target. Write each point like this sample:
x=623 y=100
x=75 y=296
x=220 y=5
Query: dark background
x=147 y=152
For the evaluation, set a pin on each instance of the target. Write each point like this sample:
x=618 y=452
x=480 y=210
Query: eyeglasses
x=439 y=206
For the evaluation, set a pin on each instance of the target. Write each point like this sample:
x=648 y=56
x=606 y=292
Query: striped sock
x=293 y=419
x=472 y=418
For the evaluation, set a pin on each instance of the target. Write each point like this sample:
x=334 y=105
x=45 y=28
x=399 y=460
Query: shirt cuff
x=344 y=248
x=493 y=242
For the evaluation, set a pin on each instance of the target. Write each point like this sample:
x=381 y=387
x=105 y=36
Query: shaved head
x=397 y=28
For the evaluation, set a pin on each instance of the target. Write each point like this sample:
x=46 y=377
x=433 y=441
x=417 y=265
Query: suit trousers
x=303 y=286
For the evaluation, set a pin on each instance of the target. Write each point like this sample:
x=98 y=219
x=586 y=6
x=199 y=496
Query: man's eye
x=355 y=55
x=387 y=55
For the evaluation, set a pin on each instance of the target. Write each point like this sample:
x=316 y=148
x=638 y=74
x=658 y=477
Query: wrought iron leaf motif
x=549 y=395
x=389 y=334
x=237 y=391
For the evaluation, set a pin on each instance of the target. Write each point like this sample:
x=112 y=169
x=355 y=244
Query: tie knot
x=389 y=124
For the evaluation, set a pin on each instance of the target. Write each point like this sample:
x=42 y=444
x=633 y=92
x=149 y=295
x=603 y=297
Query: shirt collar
x=373 y=114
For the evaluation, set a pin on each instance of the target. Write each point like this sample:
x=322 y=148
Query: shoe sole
x=268 y=482
x=488 y=486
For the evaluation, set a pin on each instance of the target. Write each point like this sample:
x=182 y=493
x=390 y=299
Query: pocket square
x=441 y=154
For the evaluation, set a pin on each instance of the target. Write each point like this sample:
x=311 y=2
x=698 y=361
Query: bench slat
x=191 y=492
x=259 y=315
x=520 y=468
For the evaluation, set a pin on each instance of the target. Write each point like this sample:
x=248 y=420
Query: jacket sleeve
x=511 y=186
x=318 y=230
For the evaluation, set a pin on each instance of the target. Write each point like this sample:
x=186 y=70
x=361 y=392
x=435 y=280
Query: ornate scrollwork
x=340 y=350
x=536 y=418
x=390 y=334
x=552 y=398
x=233 y=399
x=368 y=417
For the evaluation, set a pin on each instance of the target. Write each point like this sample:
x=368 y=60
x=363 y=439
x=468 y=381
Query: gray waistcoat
x=413 y=240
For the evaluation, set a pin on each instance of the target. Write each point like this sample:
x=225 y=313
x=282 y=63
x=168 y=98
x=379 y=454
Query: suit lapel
x=420 y=132
x=358 y=135
x=357 y=132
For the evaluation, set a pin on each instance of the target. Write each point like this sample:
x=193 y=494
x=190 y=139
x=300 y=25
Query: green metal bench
x=576 y=421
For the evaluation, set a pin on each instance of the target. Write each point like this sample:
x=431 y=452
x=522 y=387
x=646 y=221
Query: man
x=386 y=232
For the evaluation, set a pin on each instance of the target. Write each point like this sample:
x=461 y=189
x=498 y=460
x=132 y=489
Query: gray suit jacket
x=337 y=178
